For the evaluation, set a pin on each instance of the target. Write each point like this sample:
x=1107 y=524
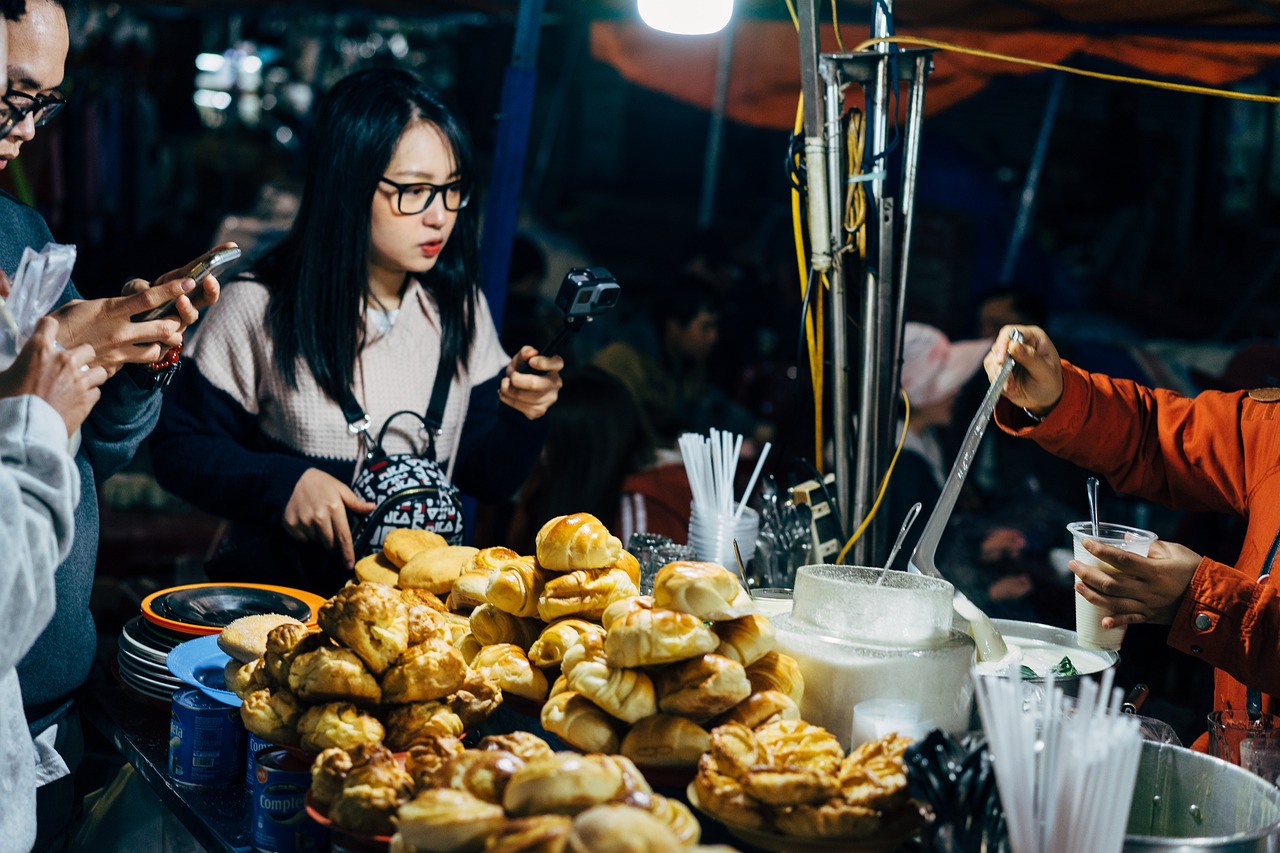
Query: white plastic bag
x=39 y=281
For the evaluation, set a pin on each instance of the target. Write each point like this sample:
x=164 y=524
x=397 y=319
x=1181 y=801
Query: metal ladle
x=902 y=534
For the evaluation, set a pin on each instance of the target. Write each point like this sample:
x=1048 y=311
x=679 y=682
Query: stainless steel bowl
x=1058 y=636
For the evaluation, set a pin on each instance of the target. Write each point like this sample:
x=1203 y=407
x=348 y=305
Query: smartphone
x=210 y=263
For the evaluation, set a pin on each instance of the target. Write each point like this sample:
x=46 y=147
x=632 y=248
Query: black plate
x=219 y=606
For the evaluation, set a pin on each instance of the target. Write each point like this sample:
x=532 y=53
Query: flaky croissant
x=577 y=541
x=515 y=586
x=651 y=637
x=707 y=590
x=584 y=593
x=625 y=693
x=558 y=637
x=580 y=723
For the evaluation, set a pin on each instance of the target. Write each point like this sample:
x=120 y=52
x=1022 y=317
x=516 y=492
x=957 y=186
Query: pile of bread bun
x=793 y=777
x=381 y=667
x=511 y=793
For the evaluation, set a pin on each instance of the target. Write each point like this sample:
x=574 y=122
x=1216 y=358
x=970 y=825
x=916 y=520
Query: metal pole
x=840 y=424
x=1030 y=187
x=910 y=171
x=711 y=164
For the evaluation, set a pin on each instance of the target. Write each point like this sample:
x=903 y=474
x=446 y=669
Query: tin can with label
x=280 y=820
x=206 y=740
x=256 y=745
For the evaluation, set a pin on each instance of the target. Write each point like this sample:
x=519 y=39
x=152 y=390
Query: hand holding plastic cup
x=1089 y=630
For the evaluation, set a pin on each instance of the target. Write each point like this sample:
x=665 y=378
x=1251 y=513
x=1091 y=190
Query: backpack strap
x=433 y=420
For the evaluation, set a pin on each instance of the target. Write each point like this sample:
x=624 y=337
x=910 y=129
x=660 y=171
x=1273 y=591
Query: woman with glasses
x=371 y=289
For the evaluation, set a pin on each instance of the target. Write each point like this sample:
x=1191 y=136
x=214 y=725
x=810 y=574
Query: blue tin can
x=280 y=820
x=206 y=740
x=256 y=745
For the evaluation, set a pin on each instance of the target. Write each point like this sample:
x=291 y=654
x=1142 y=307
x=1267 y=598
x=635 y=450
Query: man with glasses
x=60 y=661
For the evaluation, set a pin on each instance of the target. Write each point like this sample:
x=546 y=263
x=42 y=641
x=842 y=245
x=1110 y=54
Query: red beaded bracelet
x=169 y=359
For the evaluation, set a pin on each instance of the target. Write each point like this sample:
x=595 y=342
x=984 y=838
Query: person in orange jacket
x=1217 y=452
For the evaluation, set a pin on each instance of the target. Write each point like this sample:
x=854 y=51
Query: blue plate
x=200 y=663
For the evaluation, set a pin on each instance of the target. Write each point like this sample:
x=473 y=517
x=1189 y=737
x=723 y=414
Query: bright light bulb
x=686 y=17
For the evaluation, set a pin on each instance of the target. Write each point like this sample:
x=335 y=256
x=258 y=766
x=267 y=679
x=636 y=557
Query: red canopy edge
x=765 y=84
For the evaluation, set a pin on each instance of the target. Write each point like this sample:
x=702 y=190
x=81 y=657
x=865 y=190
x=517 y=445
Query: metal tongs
x=991 y=645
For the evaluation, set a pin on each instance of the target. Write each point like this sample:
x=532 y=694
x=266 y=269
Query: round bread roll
x=580 y=723
x=616 y=828
x=702 y=687
x=707 y=590
x=442 y=820
x=430 y=670
x=436 y=569
x=663 y=740
x=563 y=783
x=403 y=544
x=558 y=637
x=245 y=639
x=329 y=673
x=745 y=640
x=776 y=671
x=369 y=619
x=584 y=593
x=577 y=541
x=507 y=664
x=650 y=637
x=338 y=724
x=376 y=568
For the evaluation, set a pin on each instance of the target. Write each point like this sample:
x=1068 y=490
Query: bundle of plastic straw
x=710 y=464
x=1065 y=773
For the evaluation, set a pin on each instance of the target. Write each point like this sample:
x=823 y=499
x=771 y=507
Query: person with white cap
x=934 y=369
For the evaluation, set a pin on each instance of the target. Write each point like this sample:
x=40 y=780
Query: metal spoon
x=1092 y=484
x=902 y=534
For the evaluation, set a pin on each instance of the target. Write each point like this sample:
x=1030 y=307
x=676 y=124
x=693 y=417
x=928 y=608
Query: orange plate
x=312 y=601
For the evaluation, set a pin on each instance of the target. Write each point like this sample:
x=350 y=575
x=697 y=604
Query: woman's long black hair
x=318 y=274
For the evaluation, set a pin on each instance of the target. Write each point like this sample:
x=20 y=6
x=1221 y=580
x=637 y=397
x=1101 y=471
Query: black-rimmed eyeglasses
x=19 y=105
x=412 y=199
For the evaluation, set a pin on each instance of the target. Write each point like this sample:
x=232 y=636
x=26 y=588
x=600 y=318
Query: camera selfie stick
x=585 y=293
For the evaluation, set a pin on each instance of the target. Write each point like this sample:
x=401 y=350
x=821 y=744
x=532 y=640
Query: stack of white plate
x=141 y=658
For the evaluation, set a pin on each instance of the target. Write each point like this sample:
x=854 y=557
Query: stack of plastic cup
x=712 y=536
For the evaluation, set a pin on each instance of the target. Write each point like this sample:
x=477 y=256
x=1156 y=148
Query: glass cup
x=1261 y=756
x=1229 y=729
x=1089 y=630
x=772 y=600
x=644 y=547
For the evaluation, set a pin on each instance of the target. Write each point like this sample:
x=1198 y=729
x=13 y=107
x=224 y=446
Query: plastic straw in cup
x=751 y=483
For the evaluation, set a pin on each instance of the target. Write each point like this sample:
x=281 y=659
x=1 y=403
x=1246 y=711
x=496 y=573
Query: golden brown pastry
x=665 y=741
x=243 y=679
x=482 y=773
x=488 y=559
x=589 y=647
x=245 y=639
x=543 y=833
x=459 y=626
x=468 y=592
x=427 y=624
x=584 y=593
x=367 y=809
x=580 y=723
x=760 y=708
x=328 y=772
x=369 y=619
x=789 y=786
x=413 y=723
x=832 y=819
x=635 y=788
x=701 y=687
x=515 y=586
x=873 y=775
x=330 y=673
x=420 y=597
x=442 y=820
x=561 y=685
x=577 y=541
x=403 y=544
x=507 y=664
x=526 y=745
x=723 y=797
x=678 y=818
x=376 y=568
x=494 y=627
x=436 y=569
x=468 y=647
x=629 y=564
x=375 y=765
x=795 y=743
x=651 y=637
x=622 y=607
x=563 y=783
x=615 y=828
x=556 y=638
x=707 y=590
x=272 y=715
x=477 y=698
x=338 y=724
x=624 y=693
x=428 y=755
x=282 y=641
x=734 y=749
x=427 y=671
x=776 y=671
x=745 y=640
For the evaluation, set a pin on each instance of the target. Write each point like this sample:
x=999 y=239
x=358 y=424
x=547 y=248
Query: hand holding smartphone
x=210 y=263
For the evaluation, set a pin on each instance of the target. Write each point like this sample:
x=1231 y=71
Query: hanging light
x=686 y=17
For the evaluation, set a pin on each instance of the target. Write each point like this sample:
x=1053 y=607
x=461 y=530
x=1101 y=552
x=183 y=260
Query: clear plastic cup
x=772 y=600
x=712 y=536
x=1230 y=729
x=1089 y=630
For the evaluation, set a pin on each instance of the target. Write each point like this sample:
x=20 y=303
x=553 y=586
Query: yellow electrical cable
x=855 y=203
x=812 y=330
x=795 y=19
x=884 y=483
x=835 y=24
x=1097 y=75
